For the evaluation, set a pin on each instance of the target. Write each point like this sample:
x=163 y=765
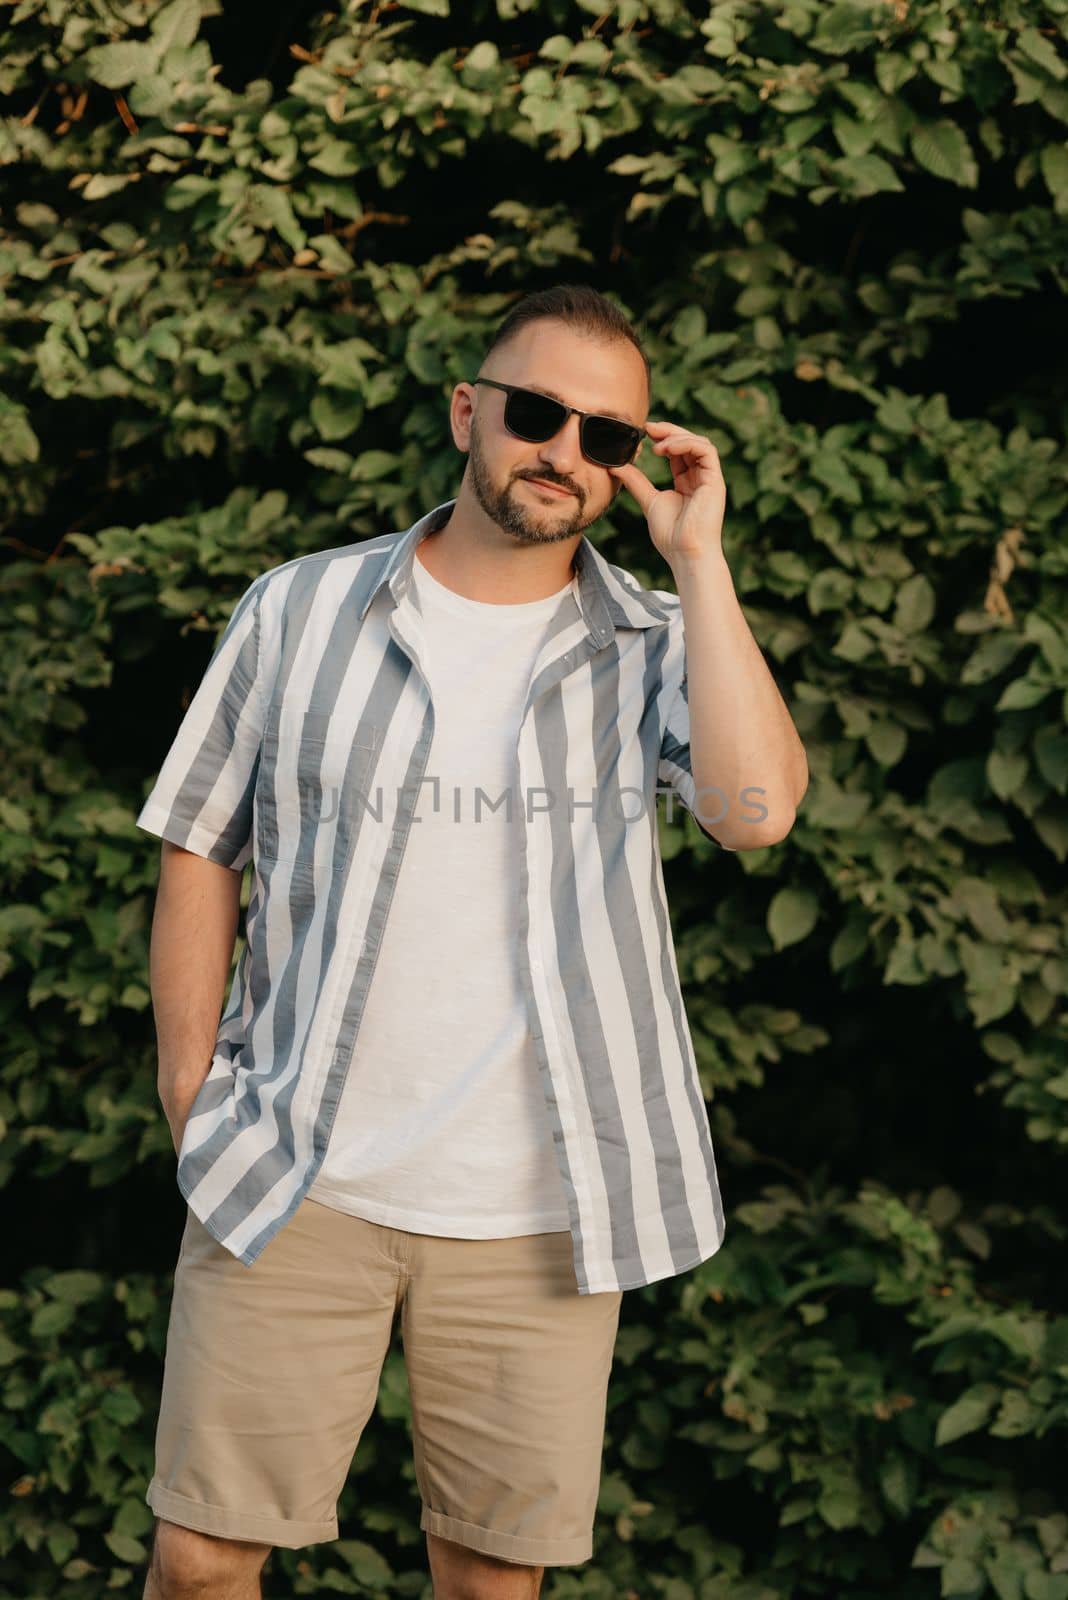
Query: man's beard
x=510 y=511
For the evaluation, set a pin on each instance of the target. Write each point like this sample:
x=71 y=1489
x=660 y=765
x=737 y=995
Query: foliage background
x=244 y=259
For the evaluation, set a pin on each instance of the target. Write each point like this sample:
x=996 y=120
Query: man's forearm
x=193 y=932
x=741 y=733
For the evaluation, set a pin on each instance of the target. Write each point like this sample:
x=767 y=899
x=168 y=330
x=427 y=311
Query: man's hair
x=580 y=306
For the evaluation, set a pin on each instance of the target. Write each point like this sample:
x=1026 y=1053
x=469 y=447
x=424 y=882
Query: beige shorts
x=272 y=1370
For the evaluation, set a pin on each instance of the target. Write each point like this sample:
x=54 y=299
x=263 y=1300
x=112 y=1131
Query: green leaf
x=270 y=207
x=119 y=1405
x=887 y=742
x=962 y=1576
x=482 y=57
x=374 y=464
x=1042 y=51
x=364 y=1562
x=792 y=915
x=557 y=47
x=942 y=148
x=116 y=65
x=61 y=1544
x=101 y=185
x=134 y=1518
x=330 y=460
x=342 y=366
x=76 y=1287
x=840 y=1506
x=1053 y=164
x=132 y=1551
x=897 y=1479
x=869 y=174
x=915 y=606
x=187 y=190
x=51 y=1319
x=969 y=1412
x=1006 y=773
x=1022 y=694
x=1052 y=828
x=832 y=471
x=336 y=413
x=828 y=805
x=1051 y=755
x=176 y=24
x=338 y=158
x=690 y=325
x=830 y=590
x=844 y=28
x=904 y=964
x=18 y=442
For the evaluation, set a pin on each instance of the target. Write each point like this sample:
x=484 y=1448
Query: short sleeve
x=202 y=796
x=674 y=768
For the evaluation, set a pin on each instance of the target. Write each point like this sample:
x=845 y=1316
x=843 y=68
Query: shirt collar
x=606 y=602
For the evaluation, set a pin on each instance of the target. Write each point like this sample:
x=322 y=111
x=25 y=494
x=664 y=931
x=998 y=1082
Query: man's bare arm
x=194 y=928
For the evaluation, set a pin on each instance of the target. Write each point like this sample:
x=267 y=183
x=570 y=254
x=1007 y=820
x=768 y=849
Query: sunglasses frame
x=567 y=411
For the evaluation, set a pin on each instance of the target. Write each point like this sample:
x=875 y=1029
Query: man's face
x=591 y=374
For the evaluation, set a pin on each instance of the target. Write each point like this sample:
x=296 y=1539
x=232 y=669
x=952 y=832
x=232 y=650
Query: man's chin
x=531 y=517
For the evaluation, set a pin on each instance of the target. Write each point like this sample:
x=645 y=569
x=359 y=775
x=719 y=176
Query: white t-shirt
x=442 y=1125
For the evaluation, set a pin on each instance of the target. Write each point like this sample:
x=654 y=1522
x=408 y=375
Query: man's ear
x=461 y=415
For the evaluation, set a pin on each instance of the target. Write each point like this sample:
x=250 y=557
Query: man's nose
x=563 y=452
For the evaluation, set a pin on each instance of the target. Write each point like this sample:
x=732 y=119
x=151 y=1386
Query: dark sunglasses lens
x=606 y=441
x=532 y=416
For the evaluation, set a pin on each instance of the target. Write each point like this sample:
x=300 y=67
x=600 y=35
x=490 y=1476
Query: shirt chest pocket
x=310 y=768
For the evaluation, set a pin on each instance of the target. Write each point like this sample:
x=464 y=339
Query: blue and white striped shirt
x=303 y=752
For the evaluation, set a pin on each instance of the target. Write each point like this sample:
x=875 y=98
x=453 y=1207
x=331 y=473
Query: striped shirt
x=303 y=752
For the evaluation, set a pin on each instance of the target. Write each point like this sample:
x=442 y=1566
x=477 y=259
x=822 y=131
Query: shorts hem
x=228 y=1523
x=507 y=1546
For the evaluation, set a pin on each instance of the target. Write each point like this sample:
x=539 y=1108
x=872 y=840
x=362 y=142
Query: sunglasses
x=535 y=417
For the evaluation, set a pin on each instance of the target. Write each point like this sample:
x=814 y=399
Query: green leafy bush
x=240 y=279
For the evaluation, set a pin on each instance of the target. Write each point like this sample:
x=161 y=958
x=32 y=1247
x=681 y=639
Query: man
x=454 y=1079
